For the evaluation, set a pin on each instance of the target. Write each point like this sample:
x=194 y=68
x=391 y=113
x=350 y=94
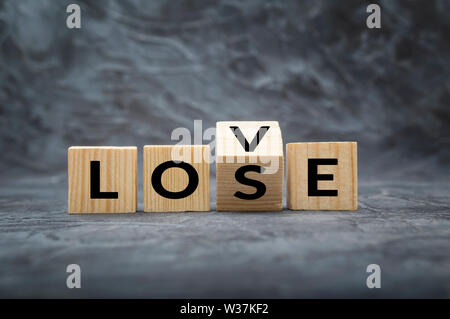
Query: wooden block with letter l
x=176 y=178
x=249 y=166
x=102 y=179
x=322 y=176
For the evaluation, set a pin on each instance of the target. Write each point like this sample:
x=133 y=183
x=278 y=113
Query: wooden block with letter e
x=176 y=178
x=102 y=179
x=322 y=176
x=249 y=168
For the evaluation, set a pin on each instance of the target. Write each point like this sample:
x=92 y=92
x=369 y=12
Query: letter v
x=241 y=138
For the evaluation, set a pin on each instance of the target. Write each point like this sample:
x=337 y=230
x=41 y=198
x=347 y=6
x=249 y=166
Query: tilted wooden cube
x=249 y=168
x=322 y=176
x=102 y=179
x=176 y=178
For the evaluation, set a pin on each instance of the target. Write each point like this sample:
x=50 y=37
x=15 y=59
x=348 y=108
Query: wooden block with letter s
x=249 y=166
x=102 y=179
x=322 y=176
x=176 y=178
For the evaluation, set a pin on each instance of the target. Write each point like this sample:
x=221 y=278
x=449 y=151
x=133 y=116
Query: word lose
x=249 y=174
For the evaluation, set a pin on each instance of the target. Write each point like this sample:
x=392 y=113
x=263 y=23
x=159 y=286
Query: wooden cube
x=176 y=178
x=102 y=179
x=322 y=176
x=249 y=168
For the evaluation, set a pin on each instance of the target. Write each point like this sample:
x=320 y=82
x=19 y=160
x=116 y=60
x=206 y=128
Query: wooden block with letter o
x=102 y=179
x=249 y=168
x=322 y=176
x=176 y=178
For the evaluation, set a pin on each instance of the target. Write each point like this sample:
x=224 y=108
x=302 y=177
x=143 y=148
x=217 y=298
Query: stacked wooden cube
x=249 y=166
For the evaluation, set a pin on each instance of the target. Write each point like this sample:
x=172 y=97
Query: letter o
x=192 y=180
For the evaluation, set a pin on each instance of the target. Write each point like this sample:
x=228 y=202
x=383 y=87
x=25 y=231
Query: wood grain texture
x=118 y=173
x=176 y=179
x=231 y=155
x=345 y=177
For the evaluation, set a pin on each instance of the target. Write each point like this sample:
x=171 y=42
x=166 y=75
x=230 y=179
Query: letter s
x=240 y=177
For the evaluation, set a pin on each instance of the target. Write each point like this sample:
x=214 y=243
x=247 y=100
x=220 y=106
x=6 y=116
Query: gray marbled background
x=138 y=69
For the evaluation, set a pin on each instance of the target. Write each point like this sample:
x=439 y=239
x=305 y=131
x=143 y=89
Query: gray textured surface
x=403 y=227
x=139 y=69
